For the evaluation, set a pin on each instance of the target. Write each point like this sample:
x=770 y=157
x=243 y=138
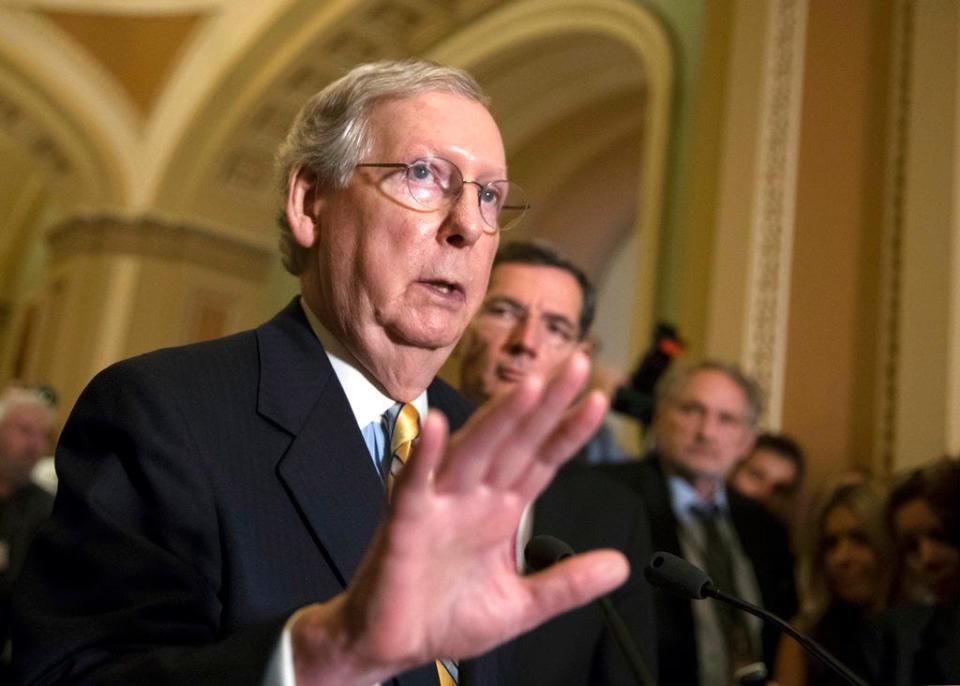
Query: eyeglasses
x=433 y=183
x=555 y=330
x=695 y=410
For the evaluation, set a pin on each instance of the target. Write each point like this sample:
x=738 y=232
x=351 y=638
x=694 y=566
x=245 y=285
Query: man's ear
x=302 y=205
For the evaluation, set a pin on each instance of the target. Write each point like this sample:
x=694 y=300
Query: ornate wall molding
x=891 y=274
x=152 y=237
x=773 y=215
x=651 y=59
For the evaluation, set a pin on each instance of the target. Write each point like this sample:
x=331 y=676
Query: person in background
x=26 y=422
x=536 y=314
x=848 y=585
x=773 y=474
x=918 y=640
x=704 y=421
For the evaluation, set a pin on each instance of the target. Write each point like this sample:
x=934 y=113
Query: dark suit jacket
x=916 y=644
x=205 y=493
x=588 y=511
x=21 y=515
x=764 y=541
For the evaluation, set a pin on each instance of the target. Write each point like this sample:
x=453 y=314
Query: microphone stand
x=543 y=551
x=809 y=645
x=626 y=643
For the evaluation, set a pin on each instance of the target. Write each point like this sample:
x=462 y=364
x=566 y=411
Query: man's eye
x=500 y=310
x=490 y=195
x=421 y=172
x=560 y=331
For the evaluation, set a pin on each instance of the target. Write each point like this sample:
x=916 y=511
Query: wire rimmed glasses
x=434 y=183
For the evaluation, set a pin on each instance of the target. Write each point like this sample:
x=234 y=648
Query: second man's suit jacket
x=764 y=541
x=206 y=492
x=587 y=510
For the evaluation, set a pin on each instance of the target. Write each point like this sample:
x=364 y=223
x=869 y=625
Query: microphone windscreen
x=543 y=551
x=675 y=574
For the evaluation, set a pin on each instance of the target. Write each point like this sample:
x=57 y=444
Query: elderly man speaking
x=223 y=513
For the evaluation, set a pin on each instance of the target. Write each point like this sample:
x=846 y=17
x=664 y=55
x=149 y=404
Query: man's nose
x=526 y=336
x=707 y=424
x=463 y=226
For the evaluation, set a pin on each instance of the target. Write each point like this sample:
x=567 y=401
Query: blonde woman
x=847 y=584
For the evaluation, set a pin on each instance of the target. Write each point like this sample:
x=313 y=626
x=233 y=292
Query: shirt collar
x=367 y=402
x=683 y=496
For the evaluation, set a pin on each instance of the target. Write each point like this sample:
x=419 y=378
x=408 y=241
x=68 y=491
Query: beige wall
x=832 y=332
x=119 y=287
x=926 y=413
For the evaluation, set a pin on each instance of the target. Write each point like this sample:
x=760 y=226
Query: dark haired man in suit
x=536 y=314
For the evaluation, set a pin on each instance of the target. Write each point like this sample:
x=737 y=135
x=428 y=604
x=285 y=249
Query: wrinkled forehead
x=437 y=123
x=527 y=283
x=713 y=388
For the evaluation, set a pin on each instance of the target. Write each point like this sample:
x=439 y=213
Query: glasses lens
x=432 y=180
x=510 y=207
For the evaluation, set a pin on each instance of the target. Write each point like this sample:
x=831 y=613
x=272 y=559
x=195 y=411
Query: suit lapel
x=651 y=482
x=327 y=469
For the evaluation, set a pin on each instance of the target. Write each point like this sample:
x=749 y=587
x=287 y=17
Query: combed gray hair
x=330 y=134
x=678 y=375
x=16 y=396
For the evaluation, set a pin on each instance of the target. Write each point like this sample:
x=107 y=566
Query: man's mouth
x=511 y=374
x=447 y=289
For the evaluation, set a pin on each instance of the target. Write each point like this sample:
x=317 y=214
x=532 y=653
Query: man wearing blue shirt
x=704 y=422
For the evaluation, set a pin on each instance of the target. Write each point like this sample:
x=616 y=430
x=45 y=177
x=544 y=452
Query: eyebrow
x=503 y=300
x=553 y=317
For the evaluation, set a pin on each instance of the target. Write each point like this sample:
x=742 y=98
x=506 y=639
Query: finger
x=482 y=438
x=521 y=450
x=580 y=423
x=573 y=582
x=417 y=473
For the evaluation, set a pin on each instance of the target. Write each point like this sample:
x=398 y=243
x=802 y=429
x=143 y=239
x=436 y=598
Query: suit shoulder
x=225 y=364
x=448 y=400
x=643 y=474
x=192 y=358
x=753 y=515
x=576 y=476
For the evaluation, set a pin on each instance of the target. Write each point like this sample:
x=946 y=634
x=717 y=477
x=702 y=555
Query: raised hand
x=440 y=579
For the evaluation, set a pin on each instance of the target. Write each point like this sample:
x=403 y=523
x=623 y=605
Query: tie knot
x=707 y=512
x=405 y=430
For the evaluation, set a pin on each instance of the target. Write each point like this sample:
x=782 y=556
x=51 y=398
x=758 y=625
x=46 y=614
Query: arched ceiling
x=174 y=108
x=116 y=41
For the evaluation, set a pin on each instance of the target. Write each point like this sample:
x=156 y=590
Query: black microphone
x=678 y=576
x=543 y=551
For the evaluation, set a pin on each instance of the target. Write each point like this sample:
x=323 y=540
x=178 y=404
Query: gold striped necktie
x=405 y=432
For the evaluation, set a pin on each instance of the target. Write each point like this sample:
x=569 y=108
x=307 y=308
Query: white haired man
x=223 y=503
x=26 y=421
